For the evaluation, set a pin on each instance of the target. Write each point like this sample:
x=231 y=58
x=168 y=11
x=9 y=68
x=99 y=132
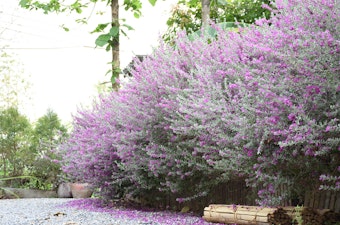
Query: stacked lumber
x=328 y=216
x=310 y=216
x=280 y=216
x=232 y=214
x=238 y=214
x=315 y=216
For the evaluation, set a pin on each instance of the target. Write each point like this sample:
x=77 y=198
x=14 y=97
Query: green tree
x=15 y=135
x=189 y=15
x=48 y=133
x=15 y=128
x=109 y=37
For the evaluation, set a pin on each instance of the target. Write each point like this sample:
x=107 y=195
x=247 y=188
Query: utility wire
x=54 y=48
x=49 y=38
x=23 y=32
x=41 y=48
x=30 y=26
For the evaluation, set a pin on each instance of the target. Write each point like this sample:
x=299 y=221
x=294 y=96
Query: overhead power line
x=53 y=48
x=42 y=48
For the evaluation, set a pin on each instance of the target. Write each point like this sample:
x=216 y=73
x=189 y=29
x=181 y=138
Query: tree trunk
x=13 y=159
x=205 y=12
x=115 y=45
x=5 y=166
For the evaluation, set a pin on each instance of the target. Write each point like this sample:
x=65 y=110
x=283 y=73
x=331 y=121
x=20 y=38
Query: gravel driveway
x=38 y=211
x=57 y=211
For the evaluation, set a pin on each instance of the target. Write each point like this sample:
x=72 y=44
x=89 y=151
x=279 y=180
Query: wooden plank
x=220 y=206
x=307 y=199
x=237 y=208
x=311 y=199
x=286 y=201
x=332 y=201
x=220 y=215
x=316 y=200
x=322 y=200
x=237 y=214
x=337 y=203
x=327 y=200
x=231 y=219
x=257 y=218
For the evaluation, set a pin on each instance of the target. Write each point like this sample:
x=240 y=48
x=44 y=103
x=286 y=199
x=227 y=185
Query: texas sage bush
x=261 y=104
x=88 y=154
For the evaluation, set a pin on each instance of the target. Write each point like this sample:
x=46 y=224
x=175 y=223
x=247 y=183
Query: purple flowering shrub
x=261 y=104
x=155 y=156
x=88 y=155
x=294 y=61
x=274 y=118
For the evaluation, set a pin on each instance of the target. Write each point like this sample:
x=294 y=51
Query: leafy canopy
x=187 y=14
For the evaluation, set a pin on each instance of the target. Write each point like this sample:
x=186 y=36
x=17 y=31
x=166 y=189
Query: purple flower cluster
x=261 y=104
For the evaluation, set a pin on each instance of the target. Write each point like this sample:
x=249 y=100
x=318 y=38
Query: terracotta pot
x=81 y=190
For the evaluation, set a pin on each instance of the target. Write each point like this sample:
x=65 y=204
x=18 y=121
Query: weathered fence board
x=323 y=200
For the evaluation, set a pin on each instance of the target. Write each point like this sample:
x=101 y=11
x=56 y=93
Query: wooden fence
x=233 y=192
x=323 y=200
x=236 y=192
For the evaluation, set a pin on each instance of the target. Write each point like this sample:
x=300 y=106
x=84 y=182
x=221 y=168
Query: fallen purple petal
x=144 y=216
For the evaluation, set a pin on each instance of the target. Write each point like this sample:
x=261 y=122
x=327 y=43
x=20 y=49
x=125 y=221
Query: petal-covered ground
x=143 y=216
x=67 y=211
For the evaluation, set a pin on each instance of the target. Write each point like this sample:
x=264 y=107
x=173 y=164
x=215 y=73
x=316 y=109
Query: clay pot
x=81 y=190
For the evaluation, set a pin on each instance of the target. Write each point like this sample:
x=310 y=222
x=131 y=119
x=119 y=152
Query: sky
x=64 y=68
